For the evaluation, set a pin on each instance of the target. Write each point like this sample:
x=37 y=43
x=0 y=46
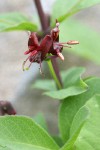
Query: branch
x=42 y=15
x=45 y=24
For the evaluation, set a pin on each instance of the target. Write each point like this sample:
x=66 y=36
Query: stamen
x=57 y=23
x=28 y=33
x=27 y=68
x=67 y=46
x=40 y=69
x=60 y=56
x=64 y=45
x=61 y=44
x=29 y=65
x=25 y=63
x=72 y=42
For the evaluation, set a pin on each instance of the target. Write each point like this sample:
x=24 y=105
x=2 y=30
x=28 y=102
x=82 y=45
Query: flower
x=49 y=45
x=57 y=47
x=6 y=108
x=37 y=52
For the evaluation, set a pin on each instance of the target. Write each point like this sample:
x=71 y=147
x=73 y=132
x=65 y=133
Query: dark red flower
x=49 y=45
x=37 y=52
x=57 y=46
x=6 y=108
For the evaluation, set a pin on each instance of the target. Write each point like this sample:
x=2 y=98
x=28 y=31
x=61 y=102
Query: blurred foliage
x=64 y=9
x=71 y=105
x=89 y=46
x=75 y=84
x=39 y=119
x=90 y=135
x=15 y=21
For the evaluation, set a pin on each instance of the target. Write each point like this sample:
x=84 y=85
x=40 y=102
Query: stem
x=54 y=74
x=45 y=23
x=56 y=69
x=42 y=16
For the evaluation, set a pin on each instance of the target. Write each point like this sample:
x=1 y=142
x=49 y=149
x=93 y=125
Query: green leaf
x=63 y=9
x=77 y=124
x=64 y=93
x=15 y=21
x=21 y=146
x=72 y=76
x=39 y=119
x=89 y=46
x=72 y=84
x=82 y=4
x=89 y=137
x=71 y=105
x=58 y=140
x=45 y=85
x=17 y=132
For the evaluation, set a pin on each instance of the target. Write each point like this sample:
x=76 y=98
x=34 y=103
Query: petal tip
x=60 y=56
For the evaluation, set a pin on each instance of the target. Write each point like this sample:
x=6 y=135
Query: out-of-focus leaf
x=89 y=46
x=64 y=93
x=58 y=140
x=15 y=21
x=89 y=137
x=45 y=85
x=39 y=119
x=22 y=133
x=63 y=9
x=77 y=124
x=17 y=146
x=72 y=76
x=72 y=84
x=71 y=105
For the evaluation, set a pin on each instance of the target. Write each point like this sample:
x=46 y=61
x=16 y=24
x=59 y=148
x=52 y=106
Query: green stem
x=54 y=74
x=45 y=24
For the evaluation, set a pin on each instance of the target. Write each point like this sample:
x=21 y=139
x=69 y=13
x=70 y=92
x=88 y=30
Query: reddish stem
x=42 y=15
x=45 y=24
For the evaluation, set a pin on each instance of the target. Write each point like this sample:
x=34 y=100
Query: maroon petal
x=55 y=32
x=60 y=56
x=30 y=58
x=45 y=46
x=27 y=52
x=33 y=53
x=33 y=41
